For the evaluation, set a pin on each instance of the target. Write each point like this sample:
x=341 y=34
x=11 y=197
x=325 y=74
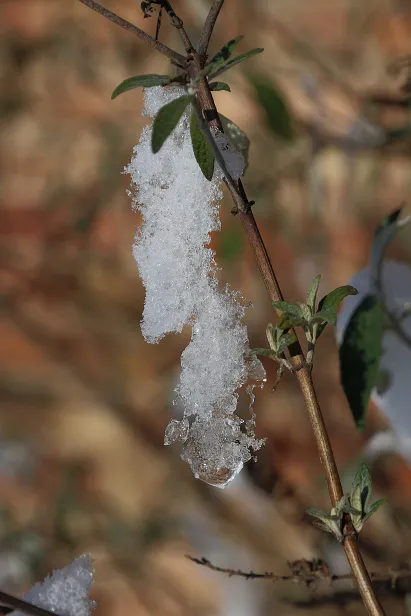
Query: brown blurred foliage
x=83 y=392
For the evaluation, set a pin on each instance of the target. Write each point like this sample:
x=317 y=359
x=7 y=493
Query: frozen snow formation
x=66 y=591
x=180 y=210
x=394 y=399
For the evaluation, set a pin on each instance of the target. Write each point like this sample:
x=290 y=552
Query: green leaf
x=236 y=60
x=317 y=513
x=284 y=341
x=276 y=112
x=329 y=523
x=291 y=315
x=202 y=151
x=325 y=316
x=374 y=507
x=312 y=292
x=264 y=352
x=287 y=308
x=167 y=119
x=333 y=300
x=216 y=86
x=140 y=81
x=339 y=509
x=273 y=336
x=305 y=311
x=360 y=354
x=220 y=57
x=361 y=489
x=236 y=136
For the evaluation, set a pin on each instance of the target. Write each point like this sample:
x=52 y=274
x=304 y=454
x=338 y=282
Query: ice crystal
x=180 y=210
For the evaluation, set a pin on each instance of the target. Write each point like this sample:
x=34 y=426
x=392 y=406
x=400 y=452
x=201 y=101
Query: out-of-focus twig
x=149 y=40
x=208 y=28
x=314 y=570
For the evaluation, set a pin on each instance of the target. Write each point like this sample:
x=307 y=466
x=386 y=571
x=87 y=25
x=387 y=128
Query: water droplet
x=218 y=477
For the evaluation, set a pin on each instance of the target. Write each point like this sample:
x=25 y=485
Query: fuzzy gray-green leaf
x=220 y=57
x=167 y=119
x=284 y=341
x=290 y=315
x=333 y=300
x=360 y=354
x=312 y=292
x=217 y=86
x=240 y=58
x=263 y=352
x=202 y=151
x=324 y=317
x=374 y=507
x=140 y=81
x=361 y=489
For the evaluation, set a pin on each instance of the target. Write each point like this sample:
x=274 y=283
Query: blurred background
x=85 y=399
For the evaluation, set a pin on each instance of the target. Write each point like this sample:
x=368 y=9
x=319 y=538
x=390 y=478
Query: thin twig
x=24 y=606
x=300 y=578
x=208 y=28
x=149 y=40
x=178 y=23
x=248 y=575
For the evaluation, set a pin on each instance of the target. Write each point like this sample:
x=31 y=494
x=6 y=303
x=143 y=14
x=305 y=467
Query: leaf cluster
x=357 y=505
x=167 y=118
x=312 y=318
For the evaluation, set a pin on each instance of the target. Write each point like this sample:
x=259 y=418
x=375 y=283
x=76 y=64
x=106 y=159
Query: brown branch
x=24 y=606
x=208 y=28
x=149 y=40
x=303 y=577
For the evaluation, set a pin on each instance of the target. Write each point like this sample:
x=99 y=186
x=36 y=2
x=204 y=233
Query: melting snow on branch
x=180 y=210
x=66 y=591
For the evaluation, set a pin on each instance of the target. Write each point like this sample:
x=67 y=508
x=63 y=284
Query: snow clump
x=180 y=210
x=66 y=591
